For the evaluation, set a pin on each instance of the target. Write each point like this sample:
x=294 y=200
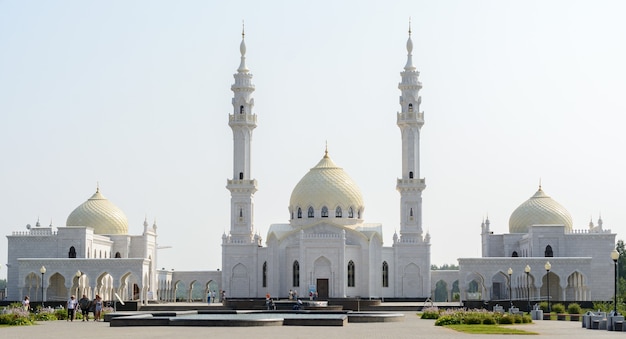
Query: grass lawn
x=488 y=329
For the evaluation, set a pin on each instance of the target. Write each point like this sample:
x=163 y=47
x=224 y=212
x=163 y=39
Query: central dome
x=540 y=209
x=327 y=185
x=100 y=214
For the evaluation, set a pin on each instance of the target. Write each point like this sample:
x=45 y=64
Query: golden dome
x=327 y=185
x=100 y=214
x=540 y=209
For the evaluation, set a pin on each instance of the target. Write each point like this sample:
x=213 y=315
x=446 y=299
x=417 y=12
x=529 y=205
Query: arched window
x=240 y=212
x=385 y=274
x=118 y=255
x=241 y=109
x=299 y=213
x=411 y=175
x=351 y=273
x=296 y=274
x=514 y=254
x=411 y=212
x=358 y=214
x=311 y=213
x=265 y=274
x=324 y=212
x=338 y=213
x=88 y=252
x=350 y=212
x=548 y=252
x=72 y=253
x=410 y=107
x=100 y=254
x=240 y=175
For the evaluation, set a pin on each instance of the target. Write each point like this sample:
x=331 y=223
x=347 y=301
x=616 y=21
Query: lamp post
x=42 y=270
x=510 y=272
x=527 y=271
x=615 y=257
x=547 y=266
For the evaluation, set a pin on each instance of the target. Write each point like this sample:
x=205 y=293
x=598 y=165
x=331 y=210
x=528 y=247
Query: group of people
x=85 y=305
x=212 y=296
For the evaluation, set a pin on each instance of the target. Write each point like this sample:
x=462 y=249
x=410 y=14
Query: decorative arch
x=324 y=212
x=338 y=212
x=411 y=281
x=441 y=291
x=385 y=274
x=72 y=252
x=577 y=288
x=514 y=254
x=548 y=253
x=311 y=212
x=265 y=274
x=240 y=281
x=295 y=274
x=351 y=274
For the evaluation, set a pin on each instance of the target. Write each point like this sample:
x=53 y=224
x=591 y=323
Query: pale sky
x=135 y=96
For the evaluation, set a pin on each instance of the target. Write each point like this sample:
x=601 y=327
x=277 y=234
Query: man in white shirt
x=71 y=308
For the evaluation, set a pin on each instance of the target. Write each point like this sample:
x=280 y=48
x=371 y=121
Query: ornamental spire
x=242 y=48
x=409 y=48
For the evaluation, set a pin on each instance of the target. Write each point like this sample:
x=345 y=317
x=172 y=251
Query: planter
x=546 y=316
x=561 y=316
x=574 y=317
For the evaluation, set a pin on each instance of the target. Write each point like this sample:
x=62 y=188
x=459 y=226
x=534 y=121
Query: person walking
x=84 y=303
x=98 y=308
x=71 y=308
x=26 y=303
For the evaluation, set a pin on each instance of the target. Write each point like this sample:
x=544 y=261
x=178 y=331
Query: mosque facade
x=327 y=247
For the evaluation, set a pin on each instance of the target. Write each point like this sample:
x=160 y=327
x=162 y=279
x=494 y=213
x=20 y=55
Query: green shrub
x=20 y=317
x=447 y=320
x=526 y=319
x=506 y=320
x=430 y=313
x=558 y=308
x=61 y=314
x=472 y=319
x=518 y=319
x=574 y=308
x=489 y=320
x=543 y=306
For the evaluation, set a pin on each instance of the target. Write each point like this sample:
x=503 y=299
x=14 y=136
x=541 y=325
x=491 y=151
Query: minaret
x=242 y=121
x=410 y=121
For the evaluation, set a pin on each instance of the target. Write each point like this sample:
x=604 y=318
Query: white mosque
x=326 y=248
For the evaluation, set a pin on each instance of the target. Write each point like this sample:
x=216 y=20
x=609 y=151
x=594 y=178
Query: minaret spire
x=409 y=48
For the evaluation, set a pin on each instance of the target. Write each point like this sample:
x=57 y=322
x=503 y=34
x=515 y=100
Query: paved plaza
x=411 y=327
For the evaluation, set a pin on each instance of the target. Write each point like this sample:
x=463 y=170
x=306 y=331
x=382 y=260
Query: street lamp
x=547 y=266
x=527 y=271
x=615 y=257
x=510 y=272
x=43 y=271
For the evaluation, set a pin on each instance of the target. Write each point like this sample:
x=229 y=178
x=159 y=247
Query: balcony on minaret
x=411 y=184
x=242 y=119
x=241 y=185
x=410 y=118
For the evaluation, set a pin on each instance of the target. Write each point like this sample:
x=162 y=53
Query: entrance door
x=322 y=289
